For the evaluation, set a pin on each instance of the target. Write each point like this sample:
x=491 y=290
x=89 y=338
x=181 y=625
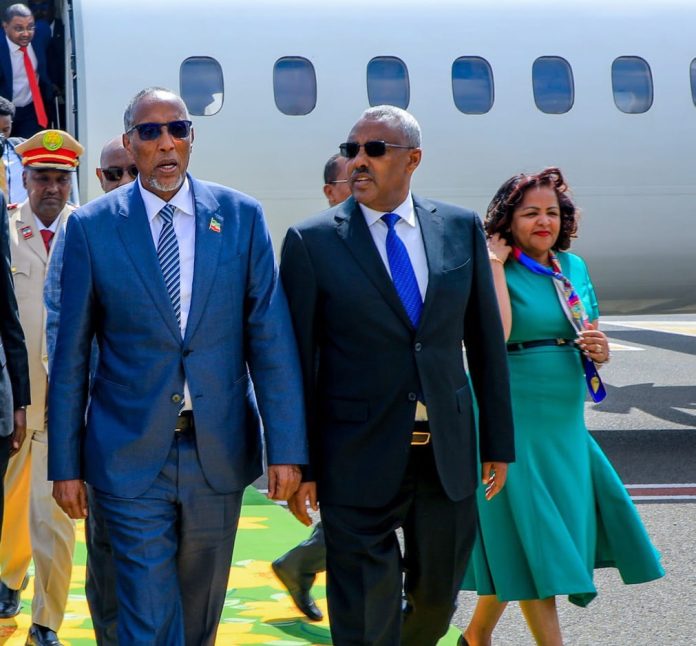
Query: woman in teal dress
x=563 y=511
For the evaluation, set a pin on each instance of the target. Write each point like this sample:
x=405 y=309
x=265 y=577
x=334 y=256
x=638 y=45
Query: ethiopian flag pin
x=214 y=225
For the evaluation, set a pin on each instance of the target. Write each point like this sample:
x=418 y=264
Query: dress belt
x=185 y=422
x=421 y=434
x=516 y=347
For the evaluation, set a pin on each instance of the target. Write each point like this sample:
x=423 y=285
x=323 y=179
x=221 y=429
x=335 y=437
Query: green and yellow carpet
x=257 y=608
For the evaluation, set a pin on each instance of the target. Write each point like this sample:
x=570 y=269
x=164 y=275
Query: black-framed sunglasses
x=351 y=149
x=179 y=129
x=115 y=173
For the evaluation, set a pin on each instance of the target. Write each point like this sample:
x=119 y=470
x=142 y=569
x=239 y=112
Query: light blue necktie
x=402 y=273
x=168 y=254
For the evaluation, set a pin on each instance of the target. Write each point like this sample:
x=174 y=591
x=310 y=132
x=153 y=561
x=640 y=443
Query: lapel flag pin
x=214 y=225
x=26 y=232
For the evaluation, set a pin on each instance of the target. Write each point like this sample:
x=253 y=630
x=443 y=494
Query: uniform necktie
x=47 y=236
x=35 y=91
x=403 y=275
x=168 y=254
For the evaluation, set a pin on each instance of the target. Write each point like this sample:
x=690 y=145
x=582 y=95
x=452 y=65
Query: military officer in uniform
x=35 y=526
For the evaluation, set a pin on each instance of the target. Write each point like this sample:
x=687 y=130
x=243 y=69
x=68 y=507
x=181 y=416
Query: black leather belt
x=516 y=347
x=421 y=434
x=185 y=422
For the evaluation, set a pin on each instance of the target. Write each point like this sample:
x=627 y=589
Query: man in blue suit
x=177 y=280
x=23 y=70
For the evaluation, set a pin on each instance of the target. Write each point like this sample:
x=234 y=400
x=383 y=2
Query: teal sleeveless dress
x=563 y=511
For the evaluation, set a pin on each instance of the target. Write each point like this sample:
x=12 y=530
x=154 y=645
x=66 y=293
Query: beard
x=167 y=187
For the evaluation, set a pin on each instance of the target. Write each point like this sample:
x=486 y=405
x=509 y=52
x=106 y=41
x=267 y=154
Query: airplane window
x=552 y=81
x=294 y=85
x=632 y=83
x=472 y=85
x=387 y=82
x=201 y=85
x=693 y=80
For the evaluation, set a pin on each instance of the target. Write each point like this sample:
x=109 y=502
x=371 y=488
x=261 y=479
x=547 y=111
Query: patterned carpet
x=257 y=609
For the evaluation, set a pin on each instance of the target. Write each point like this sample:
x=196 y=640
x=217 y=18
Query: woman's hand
x=498 y=247
x=594 y=344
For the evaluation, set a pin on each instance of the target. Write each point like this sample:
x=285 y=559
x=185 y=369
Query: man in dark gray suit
x=383 y=290
x=14 y=365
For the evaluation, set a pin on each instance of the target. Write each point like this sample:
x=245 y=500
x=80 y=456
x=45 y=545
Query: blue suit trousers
x=172 y=541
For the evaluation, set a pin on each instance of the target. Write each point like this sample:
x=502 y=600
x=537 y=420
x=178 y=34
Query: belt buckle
x=560 y=341
x=420 y=438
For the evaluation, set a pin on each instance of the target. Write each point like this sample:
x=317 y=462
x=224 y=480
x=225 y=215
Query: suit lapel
x=432 y=231
x=352 y=228
x=134 y=229
x=209 y=234
x=65 y=213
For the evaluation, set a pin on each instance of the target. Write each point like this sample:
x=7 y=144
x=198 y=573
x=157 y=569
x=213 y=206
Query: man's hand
x=283 y=480
x=20 y=430
x=297 y=504
x=71 y=496
x=494 y=477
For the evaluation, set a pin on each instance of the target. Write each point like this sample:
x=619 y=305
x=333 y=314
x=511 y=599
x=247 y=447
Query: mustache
x=360 y=170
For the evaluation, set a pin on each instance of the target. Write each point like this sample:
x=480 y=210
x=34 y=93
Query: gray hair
x=397 y=117
x=128 y=120
x=15 y=10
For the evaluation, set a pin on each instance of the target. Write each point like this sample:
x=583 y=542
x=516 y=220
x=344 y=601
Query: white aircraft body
x=627 y=144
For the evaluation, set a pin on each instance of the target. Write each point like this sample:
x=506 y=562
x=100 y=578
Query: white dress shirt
x=53 y=227
x=13 y=170
x=408 y=229
x=184 y=222
x=21 y=92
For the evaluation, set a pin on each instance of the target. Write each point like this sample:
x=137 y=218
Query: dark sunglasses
x=115 y=173
x=351 y=149
x=150 y=131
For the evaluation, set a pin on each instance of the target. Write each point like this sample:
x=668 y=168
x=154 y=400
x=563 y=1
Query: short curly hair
x=510 y=195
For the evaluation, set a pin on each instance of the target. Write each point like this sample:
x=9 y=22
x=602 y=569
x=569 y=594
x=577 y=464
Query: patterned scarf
x=572 y=308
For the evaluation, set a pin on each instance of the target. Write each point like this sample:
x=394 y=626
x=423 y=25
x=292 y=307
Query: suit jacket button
x=412 y=397
x=187 y=352
x=418 y=347
x=176 y=398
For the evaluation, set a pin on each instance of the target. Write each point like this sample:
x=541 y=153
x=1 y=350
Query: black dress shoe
x=300 y=596
x=10 y=601
x=42 y=636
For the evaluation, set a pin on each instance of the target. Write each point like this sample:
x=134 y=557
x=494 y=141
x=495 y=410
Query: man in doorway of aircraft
x=383 y=290
x=23 y=70
x=116 y=168
x=298 y=568
x=177 y=279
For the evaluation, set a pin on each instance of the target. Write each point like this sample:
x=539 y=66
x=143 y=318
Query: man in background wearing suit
x=383 y=289
x=298 y=568
x=36 y=527
x=23 y=71
x=45 y=14
x=177 y=279
x=14 y=367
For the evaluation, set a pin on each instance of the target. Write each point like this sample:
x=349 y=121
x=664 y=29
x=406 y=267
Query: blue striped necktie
x=403 y=275
x=168 y=254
